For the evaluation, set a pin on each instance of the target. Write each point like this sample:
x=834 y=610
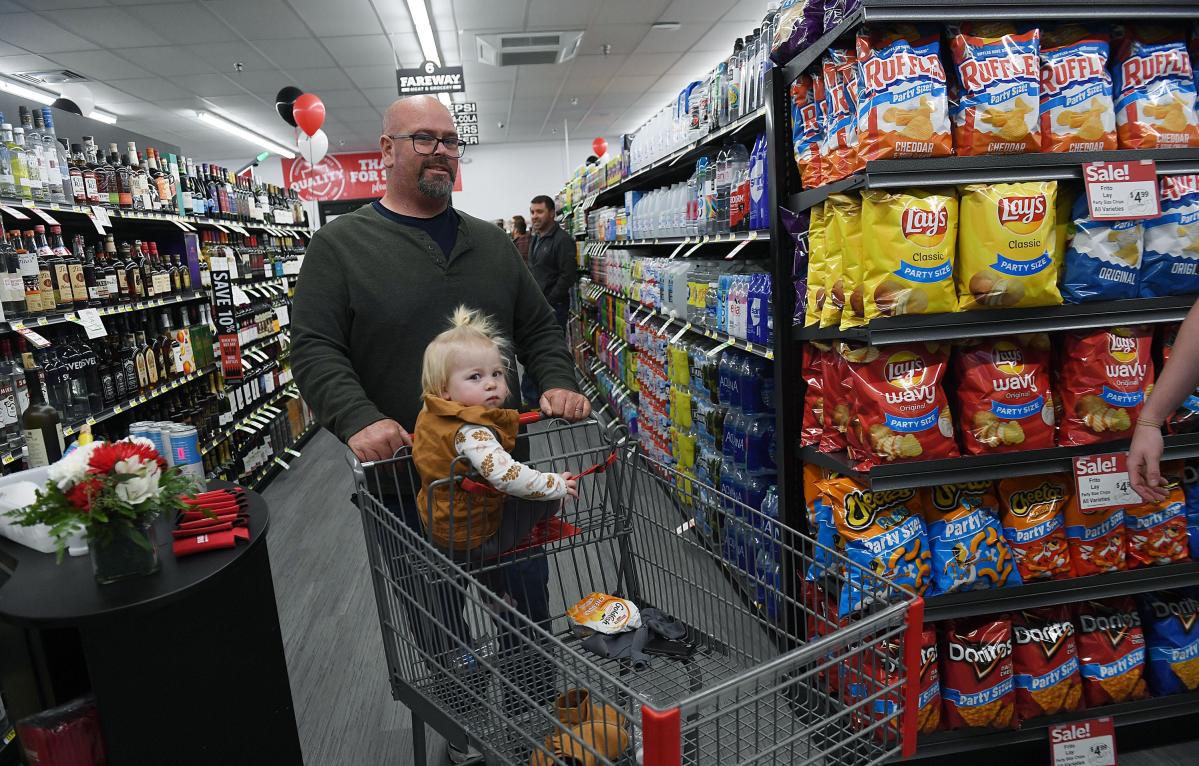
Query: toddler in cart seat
x=464 y=384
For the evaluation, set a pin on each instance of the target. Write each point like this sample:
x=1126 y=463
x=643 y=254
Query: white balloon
x=313 y=148
x=81 y=95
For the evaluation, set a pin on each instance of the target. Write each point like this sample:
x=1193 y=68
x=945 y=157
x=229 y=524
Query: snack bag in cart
x=977 y=685
x=998 y=88
x=1032 y=509
x=1154 y=88
x=1111 y=651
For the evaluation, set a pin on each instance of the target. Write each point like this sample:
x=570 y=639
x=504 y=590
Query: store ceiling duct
x=521 y=48
x=50 y=77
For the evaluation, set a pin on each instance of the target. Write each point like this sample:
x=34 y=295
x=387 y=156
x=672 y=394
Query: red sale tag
x=1083 y=743
x=1121 y=191
x=1103 y=481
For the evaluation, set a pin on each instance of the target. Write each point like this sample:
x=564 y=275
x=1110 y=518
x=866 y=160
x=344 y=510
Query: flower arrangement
x=107 y=489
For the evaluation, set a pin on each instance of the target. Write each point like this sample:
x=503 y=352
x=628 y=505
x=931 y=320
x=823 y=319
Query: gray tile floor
x=331 y=633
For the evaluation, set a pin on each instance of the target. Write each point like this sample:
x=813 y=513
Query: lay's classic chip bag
x=977 y=684
x=1111 y=651
x=1004 y=400
x=999 y=79
x=1103 y=259
x=1154 y=88
x=817 y=267
x=1171 y=261
x=1076 y=90
x=969 y=552
x=847 y=224
x=1032 y=509
x=1046 y=662
x=902 y=107
x=1103 y=379
x=1171 y=624
x=1096 y=539
x=883 y=533
x=1156 y=533
x=807 y=127
x=834 y=274
x=1007 y=251
x=909 y=240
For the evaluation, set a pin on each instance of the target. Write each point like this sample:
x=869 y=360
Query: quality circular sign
x=324 y=181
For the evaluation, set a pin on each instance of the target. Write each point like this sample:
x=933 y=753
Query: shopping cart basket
x=761 y=675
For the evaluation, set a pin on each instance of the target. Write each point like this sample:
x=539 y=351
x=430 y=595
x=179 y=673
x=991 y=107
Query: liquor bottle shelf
x=951 y=171
x=753 y=348
x=119 y=214
x=11 y=456
x=991 y=322
x=244 y=423
x=136 y=401
x=679 y=242
x=929 y=473
x=261 y=340
x=270 y=470
x=124 y=308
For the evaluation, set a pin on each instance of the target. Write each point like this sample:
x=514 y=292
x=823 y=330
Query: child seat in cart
x=751 y=673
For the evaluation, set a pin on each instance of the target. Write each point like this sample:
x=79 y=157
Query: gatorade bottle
x=739 y=191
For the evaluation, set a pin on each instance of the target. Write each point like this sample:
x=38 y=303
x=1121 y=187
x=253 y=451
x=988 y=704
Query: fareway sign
x=430 y=78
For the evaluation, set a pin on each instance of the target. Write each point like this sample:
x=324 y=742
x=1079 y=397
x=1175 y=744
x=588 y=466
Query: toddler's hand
x=572 y=488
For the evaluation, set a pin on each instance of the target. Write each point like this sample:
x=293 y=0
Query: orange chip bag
x=1004 y=400
x=807 y=94
x=1032 y=509
x=1157 y=532
x=1076 y=90
x=902 y=106
x=999 y=77
x=838 y=149
x=1096 y=539
x=1103 y=380
x=1154 y=89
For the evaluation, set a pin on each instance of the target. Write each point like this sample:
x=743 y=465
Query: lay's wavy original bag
x=1076 y=90
x=1007 y=252
x=1154 y=88
x=1005 y=403
x=1103 y=259
x=1171 y=259
x=1103 y=378
x=909 y=243
x=969 y=551
x=902 y=106
x=999 y=89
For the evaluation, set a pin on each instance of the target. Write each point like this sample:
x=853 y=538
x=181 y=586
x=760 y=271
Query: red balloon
x=309 y=112
x=600 y=147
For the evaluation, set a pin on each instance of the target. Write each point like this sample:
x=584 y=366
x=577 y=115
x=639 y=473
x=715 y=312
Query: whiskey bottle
x=41 y=424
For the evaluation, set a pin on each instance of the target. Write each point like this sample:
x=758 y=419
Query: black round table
x=186 y=665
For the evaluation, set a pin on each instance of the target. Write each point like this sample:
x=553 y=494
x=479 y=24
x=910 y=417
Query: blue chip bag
x=1103 y=259
x=1171 y=259
x=820 y=524
x=1190 y=488
x=1170 y=620
x=969 y=551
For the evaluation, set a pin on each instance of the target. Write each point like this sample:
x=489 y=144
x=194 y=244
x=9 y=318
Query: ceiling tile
x=641 y=64
x=493 y=15
x=316 y=80
x=555 y=14
x=208 y=84
x=344 y=17
x=631 y=85
x=265 y=83
x=261 y=19
x=222 y=55
x=99 y=65
x=698 y=10
x=361 y=50
x=357 y=113
x=374 y=76
x=476 y=73
x=340 y=98
x=24 y=63
x=678 y=40
x=7 y=49
x=167 y=60
x=294 y=54
x=32 y=32
x=381 y=97
x=150 y=88
x=624 y=38
x=642 y=12
x=110 y=28
x=186 y=24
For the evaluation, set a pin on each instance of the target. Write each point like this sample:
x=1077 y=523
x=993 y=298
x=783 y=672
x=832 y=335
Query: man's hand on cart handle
x=379 y=441
x=560 y=403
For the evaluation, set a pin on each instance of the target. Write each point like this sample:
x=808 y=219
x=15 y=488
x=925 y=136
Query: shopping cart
x=761 y=675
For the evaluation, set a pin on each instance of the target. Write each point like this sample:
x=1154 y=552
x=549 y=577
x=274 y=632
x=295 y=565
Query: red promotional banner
x=359 y=175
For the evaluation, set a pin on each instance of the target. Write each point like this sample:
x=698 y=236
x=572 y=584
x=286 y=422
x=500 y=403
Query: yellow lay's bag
x=817 y=266
x=1008 y=255
x=834 y=272
x=847 y=212
x=909 y=241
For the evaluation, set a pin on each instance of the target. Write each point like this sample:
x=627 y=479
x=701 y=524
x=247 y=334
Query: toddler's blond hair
x=468 y=327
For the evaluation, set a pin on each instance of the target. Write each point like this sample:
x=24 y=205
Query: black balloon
x=283 y=102
x=67 y=105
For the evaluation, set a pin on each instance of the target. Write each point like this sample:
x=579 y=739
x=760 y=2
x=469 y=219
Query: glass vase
x=119 y=555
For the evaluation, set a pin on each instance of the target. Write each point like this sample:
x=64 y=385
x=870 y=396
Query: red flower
x=105 y=457
x=81 y=494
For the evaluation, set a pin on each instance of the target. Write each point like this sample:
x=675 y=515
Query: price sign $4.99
x=1103 y=481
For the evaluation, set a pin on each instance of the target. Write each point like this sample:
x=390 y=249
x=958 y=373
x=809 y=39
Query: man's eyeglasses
x=423 y=143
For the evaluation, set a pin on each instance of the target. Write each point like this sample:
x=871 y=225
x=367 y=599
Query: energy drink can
x=185 y=453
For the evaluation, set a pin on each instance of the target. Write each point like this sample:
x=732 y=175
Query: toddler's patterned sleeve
x=479 y=445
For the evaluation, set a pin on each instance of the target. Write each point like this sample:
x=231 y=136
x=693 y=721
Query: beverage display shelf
x=243 y=422
x=137 y=401
x=261 y=340
x=11 y=456
x=952 y=171
x=260 y=280
x=765 y=352
x=270 y=470
x=675 y=162
x=943 y=11
x=124 y=308
x=131 y=215
x=735 y=236
x=992 y=322
x=589 y=373
x=1033 y=462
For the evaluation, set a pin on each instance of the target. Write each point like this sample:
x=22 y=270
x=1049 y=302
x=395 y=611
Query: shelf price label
x=1103 y=481
x=1121 y=191
x=1083 y=743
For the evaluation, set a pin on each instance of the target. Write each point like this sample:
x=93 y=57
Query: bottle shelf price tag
x=1103 y=481
x=102 y=216
x=14 y=213
x=1121 y=191
x=44 y=216
x=93 y=323
x=1083 y=743
x=36 y=339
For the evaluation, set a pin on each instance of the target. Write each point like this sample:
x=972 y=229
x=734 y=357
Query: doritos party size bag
x=1111 y=651
x=909 y=242
x=1103 y=379
x=968 y=547
x=928 y=719
x=1171 y=258
x=1046 y=662
x=977 y=684
x=999 y=88
x=1171 y=623
x=1103 y=258
x=1154 y=88
x=1032 y=509
x=1076 y=90
x=1003 y=395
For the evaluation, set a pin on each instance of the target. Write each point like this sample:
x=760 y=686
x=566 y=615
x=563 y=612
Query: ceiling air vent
x=50 y=77
x=520 y=48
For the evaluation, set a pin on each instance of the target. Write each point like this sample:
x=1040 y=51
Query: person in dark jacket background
x=555 y=269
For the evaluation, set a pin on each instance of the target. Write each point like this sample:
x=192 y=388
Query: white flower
x=140 y=440
x=71 y=469
x=141 y=482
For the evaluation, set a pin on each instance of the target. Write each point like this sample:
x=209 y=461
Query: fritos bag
x=807 y=127
x=909 y=241
x=836 y=404
x=1007 y=252
x=1171 y=624
x=883 y=532
x=1171 y=260
x=1076 y=90
x=817 y=267
x=1003 y=395
x=977 y=684
x=813 y=414
x=1111 y=651
x=1103 y=259
x=1096 y=539
x=1104 y=377
x=1156 y=533
x=838 y=148
x=900 y=403
x=847 y=219
x=928 y=719
x=1154 y=88
x=999 y=79
x=1032 y=509
x=902 y=106
x=1046 y=662
x=969 y=552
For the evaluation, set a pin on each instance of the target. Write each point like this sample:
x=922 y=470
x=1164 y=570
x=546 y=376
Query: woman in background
x=520 y=236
